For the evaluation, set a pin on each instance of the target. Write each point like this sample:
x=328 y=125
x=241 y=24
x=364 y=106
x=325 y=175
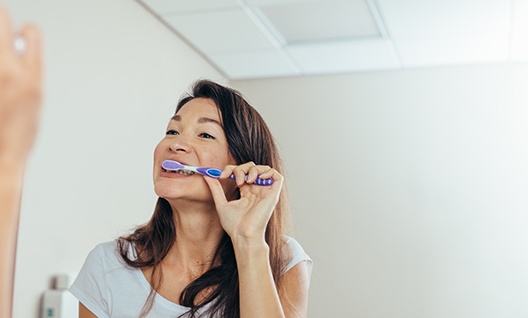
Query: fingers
x=33 y=51
x=6 y=33
x=30 y=34
x=216 y=190
x=238 y=171
x=255 y=172
x=248 y=172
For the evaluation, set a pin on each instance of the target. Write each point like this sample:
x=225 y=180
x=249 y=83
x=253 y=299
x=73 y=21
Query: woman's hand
x=20 y=90
x=245 y=219
x=20 y=86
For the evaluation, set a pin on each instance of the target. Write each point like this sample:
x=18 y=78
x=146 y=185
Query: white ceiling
x=248 y=39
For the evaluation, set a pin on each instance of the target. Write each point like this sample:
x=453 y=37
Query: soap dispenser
x=58 y=302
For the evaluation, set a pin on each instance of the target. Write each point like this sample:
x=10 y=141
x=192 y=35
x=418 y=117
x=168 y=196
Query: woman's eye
x=206 y=135
x=172 y=132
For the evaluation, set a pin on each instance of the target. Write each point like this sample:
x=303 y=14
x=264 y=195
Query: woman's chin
x=171 y=193
x=167 y=192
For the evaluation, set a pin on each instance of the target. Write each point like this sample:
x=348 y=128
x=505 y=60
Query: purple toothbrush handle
x=210 y=172
x=258 y=181
x=215 y=173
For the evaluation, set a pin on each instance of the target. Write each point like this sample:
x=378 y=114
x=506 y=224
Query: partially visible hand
x=247 y=217
x=20 y=90
x=20 y=97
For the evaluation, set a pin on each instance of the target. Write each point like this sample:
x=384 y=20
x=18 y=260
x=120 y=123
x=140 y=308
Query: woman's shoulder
x=292 y=243
x=104 y=247
x=103 y=274
x=106 y=254
x=294 y=253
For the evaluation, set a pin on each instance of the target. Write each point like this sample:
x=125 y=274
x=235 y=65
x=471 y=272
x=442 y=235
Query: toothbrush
x=172 y=165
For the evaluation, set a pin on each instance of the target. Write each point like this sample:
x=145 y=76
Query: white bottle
x=58 y=302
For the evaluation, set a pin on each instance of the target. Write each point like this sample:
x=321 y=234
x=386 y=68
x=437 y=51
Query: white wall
x=114 y=75
x=409 y=188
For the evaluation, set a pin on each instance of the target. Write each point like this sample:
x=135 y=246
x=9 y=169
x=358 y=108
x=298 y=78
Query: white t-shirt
x=110 y=288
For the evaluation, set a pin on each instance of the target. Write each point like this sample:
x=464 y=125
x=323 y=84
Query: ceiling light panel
x=340 y=57
x=320 y=21
x=163 y=7
x=428 y=32
x=410 y=19
x=220 y=31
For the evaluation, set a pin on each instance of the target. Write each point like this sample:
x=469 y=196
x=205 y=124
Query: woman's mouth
x=181 y=171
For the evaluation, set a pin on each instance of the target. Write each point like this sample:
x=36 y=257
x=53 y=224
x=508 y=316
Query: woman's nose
x=179 y=144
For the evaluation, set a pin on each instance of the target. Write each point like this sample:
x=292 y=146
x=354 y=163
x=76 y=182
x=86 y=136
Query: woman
x=213 y=248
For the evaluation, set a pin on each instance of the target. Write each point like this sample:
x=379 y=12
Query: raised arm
x=20 y=94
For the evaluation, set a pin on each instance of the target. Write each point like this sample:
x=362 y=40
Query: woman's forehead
x=202 y=110
x=199 y=106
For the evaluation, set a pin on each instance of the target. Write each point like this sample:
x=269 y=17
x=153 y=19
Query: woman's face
x=194 y=137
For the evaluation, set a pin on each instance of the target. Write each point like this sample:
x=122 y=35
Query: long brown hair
x=249 y=139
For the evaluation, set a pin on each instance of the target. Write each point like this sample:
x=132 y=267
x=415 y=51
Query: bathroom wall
x=409 y=189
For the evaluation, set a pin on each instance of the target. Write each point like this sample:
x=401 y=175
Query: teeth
x=185 y=172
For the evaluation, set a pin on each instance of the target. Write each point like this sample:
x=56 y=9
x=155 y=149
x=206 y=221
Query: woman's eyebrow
x=201 y=120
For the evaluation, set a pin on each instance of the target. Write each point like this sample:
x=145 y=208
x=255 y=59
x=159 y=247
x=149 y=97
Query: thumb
x=216 y=190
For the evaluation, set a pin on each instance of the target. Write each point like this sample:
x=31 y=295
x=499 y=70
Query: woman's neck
x=198 y=233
